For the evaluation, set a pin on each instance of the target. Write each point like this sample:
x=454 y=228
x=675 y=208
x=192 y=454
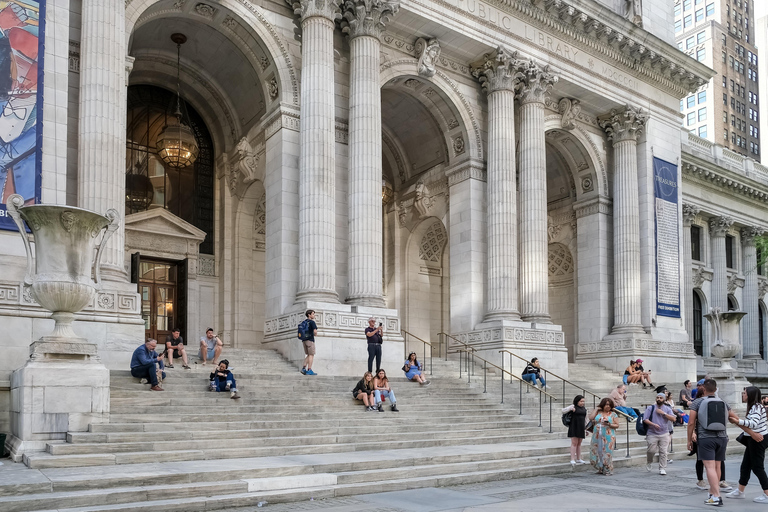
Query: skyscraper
x=721 y=34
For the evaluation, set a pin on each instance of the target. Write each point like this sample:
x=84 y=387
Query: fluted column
x=718 y=228
x=689 y=215
x=623 y=127
x=317 y=152
x=101 y=128
x=751 y=345
x=533 y=88
x=496 y=74
x=363 y=22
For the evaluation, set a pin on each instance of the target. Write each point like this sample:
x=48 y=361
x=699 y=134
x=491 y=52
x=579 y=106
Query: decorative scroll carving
x=625 y=124
x=423 y=202
x=367 y=17
x=570 y=109
x=762 y=288
x=244 y=167
x=428 y=53
x=734 y=282
x=689 y=213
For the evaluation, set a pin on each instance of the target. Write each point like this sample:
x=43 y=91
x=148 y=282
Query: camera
x=380 y=324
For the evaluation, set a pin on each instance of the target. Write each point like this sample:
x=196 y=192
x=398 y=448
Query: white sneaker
x=737 y=494
x=662 y=471
x=649 y=466
x=581 y=461
x=573 y=463
x=761 y=499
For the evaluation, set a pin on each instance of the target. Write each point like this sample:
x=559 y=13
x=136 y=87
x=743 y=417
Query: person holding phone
x=375 y=336
x=412 y=368
x=604 y=437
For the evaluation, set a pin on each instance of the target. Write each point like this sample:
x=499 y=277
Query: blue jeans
x=220 y=385
x=624 y=379
x=627 y=410
x=146 y=371
x=531 y=377
x=379 y=393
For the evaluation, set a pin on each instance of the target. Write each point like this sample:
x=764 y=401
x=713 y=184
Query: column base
x=537 y=319
x=526 y=340
x=372 y=302
x=511 y=316
x=633 y=330
x=324 y=296
x=63 y=388
x=340 y=340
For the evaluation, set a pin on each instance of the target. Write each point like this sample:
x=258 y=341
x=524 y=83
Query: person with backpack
x=657 y=420
x=755 y=427
x=307 y=333
x=706 y=427
x=575 y=416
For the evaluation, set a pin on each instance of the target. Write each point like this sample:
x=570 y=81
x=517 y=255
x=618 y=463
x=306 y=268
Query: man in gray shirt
x=657 y=419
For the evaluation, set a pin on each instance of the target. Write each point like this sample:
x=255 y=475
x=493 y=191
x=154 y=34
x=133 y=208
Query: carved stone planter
x=725 y=335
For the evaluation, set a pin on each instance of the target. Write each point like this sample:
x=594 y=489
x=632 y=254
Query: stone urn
x=725 y=335
x=64 y=273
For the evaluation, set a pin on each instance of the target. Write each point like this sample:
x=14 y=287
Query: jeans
x=531 y=377
x=374 y=351
x=660 y=445
x=383 y=392
x=624 y=379
x=146 y=371
x=628 y=410
x=220 y=385
x=754 y=461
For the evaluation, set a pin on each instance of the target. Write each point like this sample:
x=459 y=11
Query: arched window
x=732 y=304
x=698 y=335
x=150 y=183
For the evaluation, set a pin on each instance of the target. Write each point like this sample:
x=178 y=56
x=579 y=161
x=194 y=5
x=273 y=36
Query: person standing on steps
x=619 y=397
x=375 y=336
x=144 y=363
x=532 y=372
x=382 y=389
x=210 y=347
x=604 y=437
x=706 y=426
x=307 y=333
x=576 y=429
x=658 y=418
x=755 y=426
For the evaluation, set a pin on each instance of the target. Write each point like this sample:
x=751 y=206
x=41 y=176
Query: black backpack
x=640 y=426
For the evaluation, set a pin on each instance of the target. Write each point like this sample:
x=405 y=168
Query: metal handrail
x=431 y=347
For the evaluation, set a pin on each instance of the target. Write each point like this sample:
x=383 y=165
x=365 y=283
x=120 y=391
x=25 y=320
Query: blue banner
x=21 y=101
x=667 y=195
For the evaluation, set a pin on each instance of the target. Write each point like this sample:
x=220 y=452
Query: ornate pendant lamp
x=176 y=145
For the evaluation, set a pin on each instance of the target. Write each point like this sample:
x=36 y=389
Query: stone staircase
x=289 y=438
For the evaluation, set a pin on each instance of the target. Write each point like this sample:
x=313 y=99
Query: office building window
x=690 y=101
x=701 y=54
x=703 y=131
x=691 y=119
x=699 y=14
x=701 y=97
x=702 y=114
x=700 y=37
x=688 y=21
x=710 y=9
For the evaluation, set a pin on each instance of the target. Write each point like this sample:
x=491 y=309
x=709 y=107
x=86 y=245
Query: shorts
x=712 y=448
x=210 y=355
x=309 y=347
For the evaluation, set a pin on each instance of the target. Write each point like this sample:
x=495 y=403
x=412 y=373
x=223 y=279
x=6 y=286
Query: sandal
x=169 y=366
x=186 y=367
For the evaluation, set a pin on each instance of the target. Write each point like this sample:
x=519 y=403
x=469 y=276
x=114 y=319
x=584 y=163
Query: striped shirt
x=756 y=420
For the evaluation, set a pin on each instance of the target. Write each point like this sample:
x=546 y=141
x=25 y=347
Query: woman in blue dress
x=412 y=369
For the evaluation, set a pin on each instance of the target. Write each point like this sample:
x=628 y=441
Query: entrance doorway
x=157 y=282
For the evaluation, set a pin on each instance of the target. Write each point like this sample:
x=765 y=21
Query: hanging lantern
x=176 y=145
x=138 y=192
x=386 y=191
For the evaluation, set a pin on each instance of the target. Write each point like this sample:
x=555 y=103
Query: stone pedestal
x=730 y=383
x=62 y=388
x=342 y=348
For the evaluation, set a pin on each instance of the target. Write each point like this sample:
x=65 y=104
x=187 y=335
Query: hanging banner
x=21 y=99
x=667 y=197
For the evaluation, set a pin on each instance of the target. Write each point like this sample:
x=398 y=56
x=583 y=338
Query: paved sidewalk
x=630 y=489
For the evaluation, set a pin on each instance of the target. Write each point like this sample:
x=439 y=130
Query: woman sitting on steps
x=381 y=388
x=364 y=391
x=412 y=368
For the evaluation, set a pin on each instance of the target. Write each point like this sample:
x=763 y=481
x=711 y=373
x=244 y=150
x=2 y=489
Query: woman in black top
x=576 y=430
x=364 y=391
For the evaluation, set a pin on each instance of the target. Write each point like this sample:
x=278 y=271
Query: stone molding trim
x=599 y=204
x=701 y=174
x=279 y=118
x=465 y=171
x=720 y=226
x=631 y=347
x=17 y=295
x=367 y=17
x=514 y=334
x=330 y=323
x=701 y=274
x=623 y=124
x=602 y=31
x=328 y=9
x=748 y=235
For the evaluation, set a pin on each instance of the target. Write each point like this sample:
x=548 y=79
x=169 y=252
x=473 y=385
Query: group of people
x=635 y=374
x=149 y=366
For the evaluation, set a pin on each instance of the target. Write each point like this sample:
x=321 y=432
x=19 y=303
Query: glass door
x=157 y=286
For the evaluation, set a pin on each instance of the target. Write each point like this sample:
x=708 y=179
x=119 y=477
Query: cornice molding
x=724 y=180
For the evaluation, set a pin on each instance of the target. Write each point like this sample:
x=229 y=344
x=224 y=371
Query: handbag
x=406 y=367
x=567 y=417
x=590 y=426
x=743 y=438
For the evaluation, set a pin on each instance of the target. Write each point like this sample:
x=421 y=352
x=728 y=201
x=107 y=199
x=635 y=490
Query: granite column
x=364 y=22
x=497 y=76
x=317 y=152
x=533 y=88
x=623 y=127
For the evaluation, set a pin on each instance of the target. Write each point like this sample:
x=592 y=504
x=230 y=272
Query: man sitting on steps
x=619 y=397
x=210 y=347
x=532 y=372
x=144 y=363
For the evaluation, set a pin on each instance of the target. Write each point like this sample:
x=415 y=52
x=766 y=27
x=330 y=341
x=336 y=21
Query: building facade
x=721 y=34
x=510 y=173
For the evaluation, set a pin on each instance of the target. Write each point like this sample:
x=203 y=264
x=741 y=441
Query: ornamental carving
x=304 y=9
x=719 y=226
x=244 y=165
x=533 y=82
x=762 y=288
x=633 y=11
x=699 y=276
x=570 y=110
x=205 y=10
x=230 y=22
x=458 y=145
x=428 y=53
x=423 y=201
x=272 y=88
x=105 y=301
x=433 y=242
x=689 y=213
x=402 y=214
x=624 y=124
x=367 y=17
x=497 y=70
x=587 y=184
x=560 y=260
x=260 y=217
x=749 y=234
x=734 y=282
x=67 y=221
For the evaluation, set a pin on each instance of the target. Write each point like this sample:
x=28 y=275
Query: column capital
x=719 y=226
x=533 y=81
x=624 y=124
x=748 y=235
x=304 y=9
x=496 y=71
x=367 y=17
x=689 y=214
